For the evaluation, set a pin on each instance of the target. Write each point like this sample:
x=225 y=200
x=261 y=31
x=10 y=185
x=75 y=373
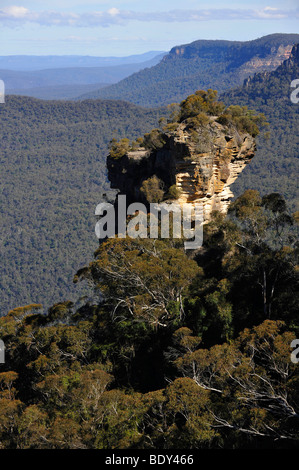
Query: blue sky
x=125 y=27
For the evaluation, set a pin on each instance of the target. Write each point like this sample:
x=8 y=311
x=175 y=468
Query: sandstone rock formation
x=202 y=163
x=268 y=63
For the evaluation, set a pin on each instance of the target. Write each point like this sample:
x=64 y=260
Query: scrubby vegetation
x=195 y=112
x=173 y=192
x=153 y=189
x=172 y=352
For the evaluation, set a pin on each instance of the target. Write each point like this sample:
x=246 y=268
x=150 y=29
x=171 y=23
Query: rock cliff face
x=287 y=71
x=202 y=163
x=268 y=63
x=245 y=58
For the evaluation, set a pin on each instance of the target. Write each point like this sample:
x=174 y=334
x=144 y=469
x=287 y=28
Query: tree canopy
x=172 y=352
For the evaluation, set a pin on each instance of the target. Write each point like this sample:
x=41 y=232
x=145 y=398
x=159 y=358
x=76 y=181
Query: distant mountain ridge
x=201 y=64
x=40 y=83
x=70 y=75
x=57 y=92
x=33 y=62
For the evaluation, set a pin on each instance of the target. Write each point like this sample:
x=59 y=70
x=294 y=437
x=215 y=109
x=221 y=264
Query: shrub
x=154 y=139
x=153 y=189
x=201 y=102
x=119 y=149
x=173 y=192
x=201 y=140
x=244 y=119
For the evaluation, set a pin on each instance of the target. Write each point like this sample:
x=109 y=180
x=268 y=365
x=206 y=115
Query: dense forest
x=63 y=146
x=53 y=176
x=173 y=350
x=138 y=343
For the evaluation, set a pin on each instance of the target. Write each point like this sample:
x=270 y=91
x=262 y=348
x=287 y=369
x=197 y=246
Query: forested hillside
x=53 y=167
x=40 y=83
x=53 y=174
x=276 y=164
x=56 y=92
x=41 y=62
x=176 y=353
x=53 y=171
x=174 y=350
x=200 y=65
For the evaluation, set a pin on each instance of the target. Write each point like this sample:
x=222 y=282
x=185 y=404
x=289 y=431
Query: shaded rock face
x=202 y=163
x=288 y=70
x=268 y=63
x=244 y=60
x=293 y=60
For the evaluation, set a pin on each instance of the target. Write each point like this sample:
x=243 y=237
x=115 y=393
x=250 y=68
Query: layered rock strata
x=202 y=163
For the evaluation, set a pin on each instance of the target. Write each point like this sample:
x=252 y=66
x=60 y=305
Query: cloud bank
x=18 y=15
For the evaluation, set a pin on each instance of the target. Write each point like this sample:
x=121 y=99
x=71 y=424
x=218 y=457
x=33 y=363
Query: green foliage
x=245 y=120
x=166 y=358
x=119 y=149
x=153 y=140
x=197 y=109
x=53 y=161
x=199 y=120
x=153 y=189
x=200 y=103
x=173 y=192
x=163 y=272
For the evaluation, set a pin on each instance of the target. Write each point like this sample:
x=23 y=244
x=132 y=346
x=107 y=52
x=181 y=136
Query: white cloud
x=113 y=11
x=80 y=39
x=15 y=12
x=272 y=13
x=12 y=15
